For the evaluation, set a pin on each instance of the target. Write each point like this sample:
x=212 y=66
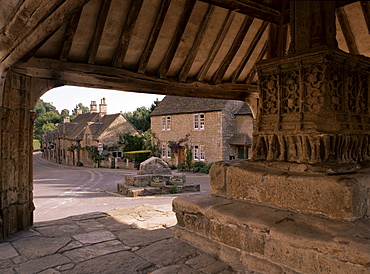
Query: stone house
x=213 y=129
x=71 y=142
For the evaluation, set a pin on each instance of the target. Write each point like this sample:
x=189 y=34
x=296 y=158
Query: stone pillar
x=16 y=134
x=302 y=204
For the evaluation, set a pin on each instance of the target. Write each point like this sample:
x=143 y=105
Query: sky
x=67 y=97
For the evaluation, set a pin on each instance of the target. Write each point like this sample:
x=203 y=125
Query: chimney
x=93 y=107
x=102 y=107
x=79 y=111
x=67 y=119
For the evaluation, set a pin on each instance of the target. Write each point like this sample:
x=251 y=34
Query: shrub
x=181 y=167
x=138 y=156
x=206 y=168
x=36 y=144
x=172 y=166
x=197 y=166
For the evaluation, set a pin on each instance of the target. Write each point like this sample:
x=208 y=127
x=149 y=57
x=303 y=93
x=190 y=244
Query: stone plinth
x=272 y=240
x=339 y=191
x=132 y=191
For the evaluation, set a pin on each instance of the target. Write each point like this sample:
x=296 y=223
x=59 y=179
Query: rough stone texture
x=270 y=239
x=154 y=165
x=132 y=191
x=340 y=196
x=125 y=240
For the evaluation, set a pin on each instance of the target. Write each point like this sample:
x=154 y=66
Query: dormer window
x=199 y=121
x=166 y=122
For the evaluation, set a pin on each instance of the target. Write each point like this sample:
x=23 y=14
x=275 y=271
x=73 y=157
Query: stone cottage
x=72 y=143
x=214 y=129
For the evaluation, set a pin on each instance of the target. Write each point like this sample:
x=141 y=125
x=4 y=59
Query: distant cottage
x=212 y=129
x=74 y=143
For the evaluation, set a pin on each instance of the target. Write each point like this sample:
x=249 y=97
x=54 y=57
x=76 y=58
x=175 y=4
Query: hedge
x=137 y=156
x=36 y=144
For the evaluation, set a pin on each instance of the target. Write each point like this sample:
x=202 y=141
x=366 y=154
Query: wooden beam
x=252 y=8
x=69 y=35
x=248 y=80
x=220 y=72
x=347 y=31
x=365 y=6
x=166 y=62
x=234 y=77
x=216 y=45
x=161 y=15
x=103 y=14
x=198 y=40
x=126 y=34
x=88 y=75
x=11 y=53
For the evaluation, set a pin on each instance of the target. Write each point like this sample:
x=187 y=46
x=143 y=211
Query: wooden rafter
x=198 y=40
x=252 y=8
x=89 y=75
x=278 y=35
x=103 y=14
x=347 y=31
x=220 y=72
x=48 y=24
x=161 y=15
x=126 y=34
x=166 y=62
x=216 y=45
x=249 y=52
x=69 y=35
x=365 y=6
x=248 y=80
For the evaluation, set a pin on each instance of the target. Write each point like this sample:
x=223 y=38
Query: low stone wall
x=125 y=165
x=271 y=240
x=144 y=180
x=340 y=192
x=132 y=191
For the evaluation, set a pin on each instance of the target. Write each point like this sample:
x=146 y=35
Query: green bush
x=181 y=167
x=197 y=166
x=206 y=168
x=138 y=156
x=172 y=167
x=36 y=144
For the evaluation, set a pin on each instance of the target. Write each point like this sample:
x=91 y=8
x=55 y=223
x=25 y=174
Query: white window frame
x=201 y=120
x=196 y=153
x=168 y=122
x=166 y=151
x=201 y=153
x=198 y=121
x=163 y=152
x=163 y=121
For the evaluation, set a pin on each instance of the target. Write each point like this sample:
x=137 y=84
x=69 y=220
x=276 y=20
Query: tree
x=140 y=117
x=47 y=118
x=81 y=106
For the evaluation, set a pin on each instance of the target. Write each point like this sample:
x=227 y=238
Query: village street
x=61 y=191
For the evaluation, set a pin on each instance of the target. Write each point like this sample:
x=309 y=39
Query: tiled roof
x=178 y=105
x=241 y=139
x=81 y=122
x=244 y=110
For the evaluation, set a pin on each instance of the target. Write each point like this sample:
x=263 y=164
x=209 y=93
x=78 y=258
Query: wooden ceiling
x=196 y=48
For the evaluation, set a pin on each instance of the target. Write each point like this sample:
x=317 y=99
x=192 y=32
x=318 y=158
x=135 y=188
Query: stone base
x=338 y=191
x=271 y=240
x=132 y=191
x=145 y=179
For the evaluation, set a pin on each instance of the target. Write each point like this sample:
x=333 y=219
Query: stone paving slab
x=127 y=240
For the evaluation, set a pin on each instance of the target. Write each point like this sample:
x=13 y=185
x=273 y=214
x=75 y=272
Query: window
x=201 y=152
x=117 y=154
x=166 y=152
x=199 y=121
x=196 y=153
x=166 y=122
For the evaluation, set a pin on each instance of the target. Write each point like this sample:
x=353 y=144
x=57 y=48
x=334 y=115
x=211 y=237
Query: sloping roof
x=98 y=128
x=241 y=139
x=177 y=105
x=81 y=122
x=244 y=110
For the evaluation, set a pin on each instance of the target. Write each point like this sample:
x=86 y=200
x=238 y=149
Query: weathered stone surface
x=7 y=251
x=201 y=261
x=59 y=230
x=94 y=237
x=141 y=237
x=274 y=239
x=165 y=252
x=40 y=264
x=154 y=165
x=342 y=197
x=120 y=262
x=35 y=247
x=178 y=269
x=92 y=251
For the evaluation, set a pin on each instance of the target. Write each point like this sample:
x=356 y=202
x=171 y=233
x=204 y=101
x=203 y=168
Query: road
x=61 y=191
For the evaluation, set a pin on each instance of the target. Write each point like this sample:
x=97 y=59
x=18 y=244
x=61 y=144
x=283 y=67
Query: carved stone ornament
x=313 y=108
